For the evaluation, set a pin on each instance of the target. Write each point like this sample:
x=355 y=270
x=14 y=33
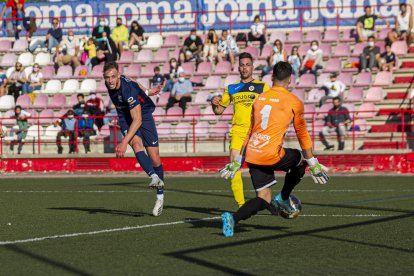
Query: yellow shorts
x=237 y=136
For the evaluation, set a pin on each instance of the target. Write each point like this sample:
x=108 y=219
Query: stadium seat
x=374 y=94
x=77 y=75
x=40 y=102
x=19 y=46
x=28 y=70
x=33 y=118
x=362 y=124
x=26 y=59
x=161 y=56
x=154 y=41
x=208 y=115
x=201 y=98
x=268 y=79
x=213 y=83
x=314 y=128
x=101 y=87
x=164 y=130
x=366 y=110
x=355 y=94
x=399 y=48
x=189 y=68
x=34 y=132
x=5 y=45
x=97 y=71
x=24 y=101
x=315 y=95
x=52 y=86
x=58 y=101
x=294 y=37
x=363 y=79
x=165 y=69
x=201 y=130
x=303 y=49
x=9 y=59
x=351 y=108
x=171 y=41
x=133 y=71
x=309 y=111
x=7 y=118
x=300 y=94
x=144 y=56
x=346 y=78
x=9 y=71
x=333 y=65
x=127 y=57
x=306 y=81
x=230 y=80
x=144 y=82
x=182 y=130
x=313 y=35
x=158 y=114
x=198 y=80
x=331 y=36
x=163 y=99
x=62 y=113
x=219 y=130
x=174 y=114
x=323 y=111
x=254 y=51
x=176 y=54
x=383 y=33
x=6 y=102
x=46 y=117
x=104 y=132
x=48 y=72
x=277 y=35
x=192 y=113
x=358 y=48
x=348 y=35
x=326 y=50
x=227 y=113
x=266 y=51
x=322 y=78
x=50 y=133
x=383 y=79
x=342 y=50
x=64 y=72
x=88 y=86
x=43 y=59
x=204 y=69
x=222 y=68
x=148 y=70
x=70 y=86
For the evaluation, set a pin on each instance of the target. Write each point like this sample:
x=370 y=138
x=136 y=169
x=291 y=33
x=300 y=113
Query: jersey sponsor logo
x=130 y=99
x=259 y=140
x=251 y=88
x=244 y=99
x=275 y=100
x=154 y=142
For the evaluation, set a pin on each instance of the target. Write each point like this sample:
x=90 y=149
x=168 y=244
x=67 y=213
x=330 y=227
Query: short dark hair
x=371 y=36
x=17 y=106
x=80 y=95
x=367 y=7
x=403 y=5
x=119 y=18
x=193 y=31
x=282 y=71
x=110 y=65
x=256 y=17
x=245 y=55
x=156 y=68
x=317 y=42
x=336 y=98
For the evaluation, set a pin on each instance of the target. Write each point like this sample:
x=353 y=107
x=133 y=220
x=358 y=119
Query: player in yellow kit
x=272 y=113
x=242 y=94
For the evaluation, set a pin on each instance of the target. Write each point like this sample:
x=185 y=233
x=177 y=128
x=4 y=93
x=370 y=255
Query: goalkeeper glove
x=231 y=168
x=318 y=171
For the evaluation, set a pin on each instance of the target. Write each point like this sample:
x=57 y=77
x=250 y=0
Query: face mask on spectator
x=71 y=37
x=173 y=64
x=70 y=116
x=93 y=96
x=314 y=47
x=193 y=37
x=35 y=69
x=85 y=115
x=371 y=44
x=101 y=23
x=181 y=79
x=275 y=49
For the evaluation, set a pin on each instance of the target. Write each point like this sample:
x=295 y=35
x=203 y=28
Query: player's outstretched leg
x=159 y=202
x=146 y=164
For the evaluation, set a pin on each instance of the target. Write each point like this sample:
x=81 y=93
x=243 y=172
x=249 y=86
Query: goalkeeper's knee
x=296 y=174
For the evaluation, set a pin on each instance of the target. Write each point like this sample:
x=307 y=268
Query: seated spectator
x=334 y=88
x=17 y=81
x=157 y=79
x=95 y=107
x=80 y=106
x=403 y=26
x=21 y=117
x=277 y=54
x=35 y=80
x=136 y=35
x=56 y=126
x=337 y=120
x=296 y=61
x=175 y=71
x=70 y=51
x=227 y=48
x=257 y=32
x=85 y=128
x=313 y=60
x=387 y=59
x=370 y=55
x=68 y=130
x=210 y=46
x=52 y=39
x=3 y=81
x=181 y=93
x=17 y=13
x=2 y=134
x=98 y=31
x=192 y=48
x=107 y=50
x=120 y=35
x=365 y=24
x=89 y=45
x=111 y=113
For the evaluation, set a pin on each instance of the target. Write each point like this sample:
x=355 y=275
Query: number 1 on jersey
x=265 y=116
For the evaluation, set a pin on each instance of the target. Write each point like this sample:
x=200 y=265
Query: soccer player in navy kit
x=134 y=109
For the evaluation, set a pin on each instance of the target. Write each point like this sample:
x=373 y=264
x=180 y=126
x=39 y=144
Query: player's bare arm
x=152 y=91
x=215 y=104
x=135 y=125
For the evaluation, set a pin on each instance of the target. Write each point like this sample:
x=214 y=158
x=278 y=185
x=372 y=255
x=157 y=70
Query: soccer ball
x=297 y=204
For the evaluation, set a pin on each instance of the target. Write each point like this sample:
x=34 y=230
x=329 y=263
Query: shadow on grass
x=94 y=211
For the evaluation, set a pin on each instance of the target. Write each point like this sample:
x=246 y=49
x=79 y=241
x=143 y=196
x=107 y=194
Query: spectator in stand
x=99 y=30
x=210 y=46
x=333 y=88
x=52 y=39
x=110 y=113
x=89 y=45
x=192 y=48
x=85 y=128
x=257 y=32
x=95 y=107
x=21 y=117
x=181 y=93
x=403 y=26
x=68 y=130
x=227 y=48
x=295 y=61
x=370 y=55
x=3 y=81
x=17 y=81
x=120 y=35
x=107 y=50
x=17 y=7
x=80 y=106
x=386 y=61
x=70 y=51
x=337 y=120
x=277 y=54
x=136 y=35
x=157 y=79
x=35 y=81
x=365 y=24
x=175 y=71
x=56 y=126
x=2 y=134
x=313 y=59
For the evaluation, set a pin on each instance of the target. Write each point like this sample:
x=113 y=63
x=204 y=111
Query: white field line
x=130 y=228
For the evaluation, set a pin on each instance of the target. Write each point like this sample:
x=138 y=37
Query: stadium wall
x=394 y=163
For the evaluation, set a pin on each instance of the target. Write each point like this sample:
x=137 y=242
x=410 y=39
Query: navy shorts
x=147 y=131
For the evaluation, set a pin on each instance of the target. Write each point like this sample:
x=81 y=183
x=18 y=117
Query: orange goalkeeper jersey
x=273 y=111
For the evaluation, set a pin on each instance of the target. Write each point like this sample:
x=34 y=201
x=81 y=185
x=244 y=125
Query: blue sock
x=145 y=162
x=160 y=172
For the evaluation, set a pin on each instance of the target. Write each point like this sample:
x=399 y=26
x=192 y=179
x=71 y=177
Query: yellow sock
x=237 y=188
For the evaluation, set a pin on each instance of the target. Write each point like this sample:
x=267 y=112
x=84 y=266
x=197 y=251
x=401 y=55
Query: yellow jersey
x=242 y=95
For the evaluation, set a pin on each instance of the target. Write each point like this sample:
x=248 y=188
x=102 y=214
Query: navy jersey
x=129 y=96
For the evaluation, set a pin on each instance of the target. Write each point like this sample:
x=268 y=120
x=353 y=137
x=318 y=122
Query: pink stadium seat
x=219 y=130
x=48 y=72
x=5 y=45
x=165 y=69
x=201 y=130
x=126 y=57
x=24 y=101
x=164 y=130
x=171 y=41
x=104 y=132
x=46 y=117
x=133 y=71
x=40 y=102
x=309 y=111
x=351 y=60
x=201 y=98
x=294 y=37
x=383 y=33
x=64 y=72
x=268 y=79
x=358 y=48
x=315 y=95
x=363 y=79
x=189 y=68
x=331 y=36
x=374 y=94
x=204 y=69
x=62 y=113
x=159 y=114
x=197 y=79
x=366 y=110
x=323 y=110
x=254 y=51
x=347 y=35
x=230 y=79
x=315 y=127
x=193 y=112
x=363 y=125
x=399 y=48
x=163 y=99
x=8 y=60
x=277 y=35
x=72 y=101
x=300 y=94
x=303 y=49
x=208 y=115
x=7 y=120
x=58 y=101
x=306 y=81
x=326 y=50
x=175 y=54
x=76 y=74
x=267 y=50
x=182 y=130
x=333 y=65
x=148 y=70
x=351 y=108
x=19 y=45
x=342 y=50
x=354 y=95
x=33 y=118
x=313 y=35
x=381 y=45
x=383 y=79
x=222 y=68
x=144 y=82
x=161 y=56
x=212 y=83
x=101 y=87
x=346 y=78
x=97 y=71
x=322 y=78
x=228 y=113
x=144 y=56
